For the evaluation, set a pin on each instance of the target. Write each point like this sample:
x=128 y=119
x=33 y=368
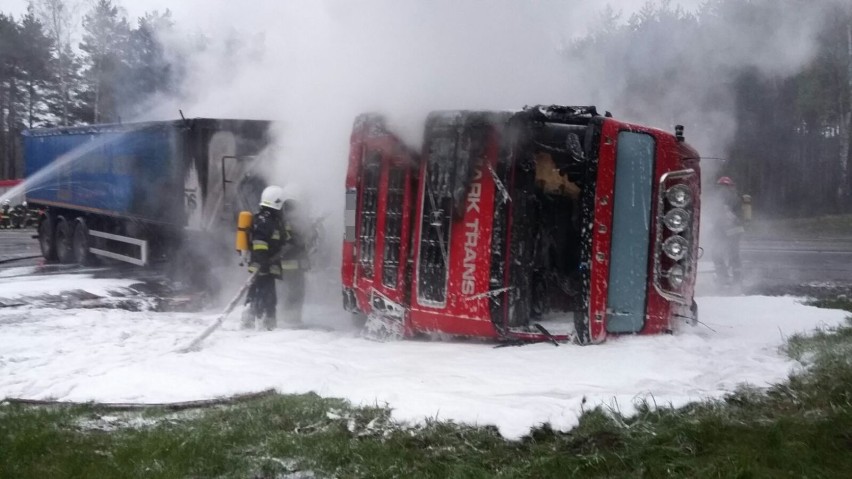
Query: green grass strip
x=802 y=428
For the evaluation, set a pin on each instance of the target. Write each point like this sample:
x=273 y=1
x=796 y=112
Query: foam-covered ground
x=113 y=355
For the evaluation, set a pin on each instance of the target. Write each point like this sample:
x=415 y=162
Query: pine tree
x=36 y=64
x=105 y=44
x=10 y=68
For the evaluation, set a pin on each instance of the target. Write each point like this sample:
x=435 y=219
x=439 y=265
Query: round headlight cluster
x=677 y=244
x=679 y=196
x=676 y=275
x=676 y=220
x=675 y=247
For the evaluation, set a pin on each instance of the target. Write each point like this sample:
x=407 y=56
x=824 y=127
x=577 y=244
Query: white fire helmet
x=272 y=197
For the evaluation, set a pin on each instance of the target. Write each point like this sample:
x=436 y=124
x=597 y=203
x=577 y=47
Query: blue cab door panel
x=631 y=228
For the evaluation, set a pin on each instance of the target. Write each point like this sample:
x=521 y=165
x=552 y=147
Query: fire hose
x=194 y=345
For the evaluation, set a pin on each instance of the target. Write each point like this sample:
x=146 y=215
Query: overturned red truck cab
x=550 y=223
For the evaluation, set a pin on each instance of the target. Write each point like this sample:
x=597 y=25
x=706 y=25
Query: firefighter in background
x=18 y=215
x=294 y=255
x=268 y=238
x=5 y=214
x=727 y=231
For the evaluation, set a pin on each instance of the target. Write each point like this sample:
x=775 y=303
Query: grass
x=802 y=428
x=840 y=301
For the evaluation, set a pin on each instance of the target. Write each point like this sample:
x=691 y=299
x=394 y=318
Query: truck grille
x=393 y=227
x=369 y=207
x=435 y=222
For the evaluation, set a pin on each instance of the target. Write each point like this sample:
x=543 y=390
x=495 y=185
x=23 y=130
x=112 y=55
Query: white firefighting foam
x=113 y=355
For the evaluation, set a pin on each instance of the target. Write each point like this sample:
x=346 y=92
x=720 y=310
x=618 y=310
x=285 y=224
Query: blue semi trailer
x=144 y=193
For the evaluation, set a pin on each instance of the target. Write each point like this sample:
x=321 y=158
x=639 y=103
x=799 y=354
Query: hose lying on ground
x=173 y=406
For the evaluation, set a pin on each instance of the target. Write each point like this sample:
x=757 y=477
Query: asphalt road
x=770 y=265
x=17 y=246
x=798 y=260
x=786 y=265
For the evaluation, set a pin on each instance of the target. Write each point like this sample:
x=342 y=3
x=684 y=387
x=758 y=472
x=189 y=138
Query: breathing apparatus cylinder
x=243 y=227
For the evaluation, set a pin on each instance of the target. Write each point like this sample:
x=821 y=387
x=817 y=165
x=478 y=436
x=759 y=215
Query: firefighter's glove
x=254 y=268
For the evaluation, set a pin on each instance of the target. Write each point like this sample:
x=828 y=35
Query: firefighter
x=727 y=231
x=5 y=214
x=18 y=215
x=267 y=238
x=294 y=256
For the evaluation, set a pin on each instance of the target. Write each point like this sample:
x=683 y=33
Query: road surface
x=770 y=265
x=18 y=244
x=798 y=260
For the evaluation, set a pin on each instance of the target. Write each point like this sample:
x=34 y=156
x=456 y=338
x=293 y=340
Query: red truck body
x=551 y=223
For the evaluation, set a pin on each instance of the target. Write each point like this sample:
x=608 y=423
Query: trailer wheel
x=80 y=243
x=46 y=238
x=63 y=241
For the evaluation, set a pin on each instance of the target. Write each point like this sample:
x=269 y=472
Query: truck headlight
x=676 y=220
x=679 y=196
x=676 y=275
x=675 y=247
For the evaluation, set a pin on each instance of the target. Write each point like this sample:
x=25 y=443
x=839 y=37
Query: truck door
x=631 y=226
x=382 y=199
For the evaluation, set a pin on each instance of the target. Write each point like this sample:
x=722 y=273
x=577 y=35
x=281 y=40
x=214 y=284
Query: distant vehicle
x=145 y=192
x=550 y=223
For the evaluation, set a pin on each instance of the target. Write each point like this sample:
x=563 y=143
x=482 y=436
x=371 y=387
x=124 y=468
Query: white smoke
x=313 y=66
x=698 y=66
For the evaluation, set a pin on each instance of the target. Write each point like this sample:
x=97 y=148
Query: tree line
x=47 y=78
x=775 y=74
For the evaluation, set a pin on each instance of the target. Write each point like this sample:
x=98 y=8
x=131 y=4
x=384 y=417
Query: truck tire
x=80 y=243
x=46 y=238
x=63 y=240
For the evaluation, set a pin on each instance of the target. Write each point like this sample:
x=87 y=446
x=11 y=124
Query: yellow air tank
x=243 y=227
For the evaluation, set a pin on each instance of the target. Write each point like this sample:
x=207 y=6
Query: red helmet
x=725 y=180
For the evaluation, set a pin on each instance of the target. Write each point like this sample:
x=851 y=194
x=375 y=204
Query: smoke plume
x=313 y=66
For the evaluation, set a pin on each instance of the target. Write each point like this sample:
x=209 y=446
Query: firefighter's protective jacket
x=294 y=256
x=725 y=210
x=268 y=235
